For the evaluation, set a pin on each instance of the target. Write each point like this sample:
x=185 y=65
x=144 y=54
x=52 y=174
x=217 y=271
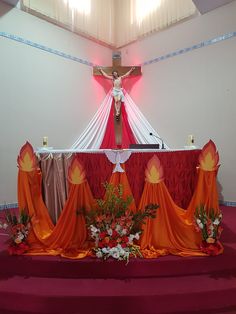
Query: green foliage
x=12 y=219
x=115 y=206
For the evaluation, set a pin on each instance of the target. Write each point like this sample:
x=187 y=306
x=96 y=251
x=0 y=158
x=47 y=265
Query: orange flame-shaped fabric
x=154 y=172
x=209 y=157
x=27 y=160
x=30 y=194
x=206 y=192
x=76 y=173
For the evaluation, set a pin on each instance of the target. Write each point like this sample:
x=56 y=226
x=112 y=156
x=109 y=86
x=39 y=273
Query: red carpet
x=45 y=284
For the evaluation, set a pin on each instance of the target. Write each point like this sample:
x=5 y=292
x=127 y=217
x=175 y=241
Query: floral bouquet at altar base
x=114 y=228
x=209 y=226
x=18 y=229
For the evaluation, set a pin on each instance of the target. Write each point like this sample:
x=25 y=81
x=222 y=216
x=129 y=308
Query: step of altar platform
x=55 y=267
x=187 y=294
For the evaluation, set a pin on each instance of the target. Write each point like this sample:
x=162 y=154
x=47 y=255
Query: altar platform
x=177 y=273
x=170 y=284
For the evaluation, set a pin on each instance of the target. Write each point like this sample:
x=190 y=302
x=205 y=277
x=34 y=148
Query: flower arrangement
x=18 y=229
x=114 y=228
x=209 y=226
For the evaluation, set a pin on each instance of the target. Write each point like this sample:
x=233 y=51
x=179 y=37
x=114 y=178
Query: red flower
x=125 y=239
x=106 y=240
x=112 y=243
x=113 y=225
x=128 y=224
x=114 y=234
x=197 y=228
x=211 y=248
x=18 y=249
x=100 y=244
x=102 y=235
x=209 y=222
x=99 y=218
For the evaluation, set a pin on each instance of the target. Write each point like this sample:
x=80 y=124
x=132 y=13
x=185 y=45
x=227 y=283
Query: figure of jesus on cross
x=116 y=73
x=117 y=91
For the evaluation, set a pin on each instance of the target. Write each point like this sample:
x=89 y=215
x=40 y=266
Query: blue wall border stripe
x=7 y=206
x=188 y=49
x=88 y=63
x=228 y=203
x=46 y=49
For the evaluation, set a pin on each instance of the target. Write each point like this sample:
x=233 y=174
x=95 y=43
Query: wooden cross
x=116 y=66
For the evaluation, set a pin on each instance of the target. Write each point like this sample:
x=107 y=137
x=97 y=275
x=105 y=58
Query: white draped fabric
x=140 y=127
x=93 y=135
x=113 y=22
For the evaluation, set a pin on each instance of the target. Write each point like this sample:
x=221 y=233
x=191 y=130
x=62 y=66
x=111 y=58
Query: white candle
x=45 y=141
x=190 y=139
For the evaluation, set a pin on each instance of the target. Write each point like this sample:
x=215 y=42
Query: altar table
x=179 y=172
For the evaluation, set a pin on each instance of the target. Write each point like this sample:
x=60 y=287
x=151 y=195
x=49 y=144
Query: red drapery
x=109 y=136
x=179 y=166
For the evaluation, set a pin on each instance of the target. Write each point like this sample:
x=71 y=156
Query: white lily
x=198 y=221
x=99 y=254
x=216 y=222
x=200 y=225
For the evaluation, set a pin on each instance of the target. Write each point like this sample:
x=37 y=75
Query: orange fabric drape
x=205 y=193
x=169 y=232
x=68 y=237
x=30 y=199
x=121 y=178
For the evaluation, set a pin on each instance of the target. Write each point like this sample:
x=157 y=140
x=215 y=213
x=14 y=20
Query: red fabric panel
x=98 y=170
x=109 y=136
x=127 y=134
x=179 y=171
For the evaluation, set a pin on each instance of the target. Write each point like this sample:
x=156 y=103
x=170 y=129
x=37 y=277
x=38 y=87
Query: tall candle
x=45 y=141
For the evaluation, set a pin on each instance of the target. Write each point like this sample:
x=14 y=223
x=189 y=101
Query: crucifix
x=116 y=73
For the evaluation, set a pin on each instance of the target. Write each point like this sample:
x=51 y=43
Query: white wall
x=41 y=93
x=194 y=93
